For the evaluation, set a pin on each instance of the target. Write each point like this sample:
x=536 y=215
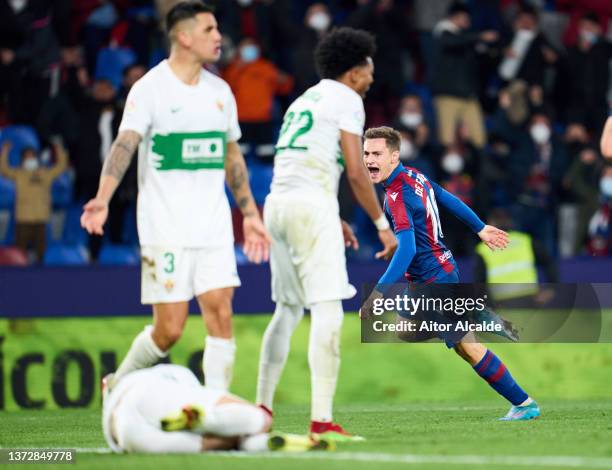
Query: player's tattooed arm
x=121 y=154
x=237 y=178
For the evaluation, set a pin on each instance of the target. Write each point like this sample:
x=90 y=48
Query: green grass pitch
x=417 y=405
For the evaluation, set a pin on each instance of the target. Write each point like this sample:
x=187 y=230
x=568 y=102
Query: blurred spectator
x=269 y=22
x=600 y=226
x=455 y=76
x=32 y=36
x=99 y=117
x=588 y=75
x=581 y=181
x=538 y=165
x=457 y=173
x=387 y=20
x=575 y=9
x=410 y=116
x=32 y=195
x=131 y=74
x=255 y=82
x=317 y=21
x=415 y=156
x=513 y=272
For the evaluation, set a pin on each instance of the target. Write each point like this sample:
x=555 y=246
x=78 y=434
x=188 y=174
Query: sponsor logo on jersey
x=445 y=256
x=189 y=151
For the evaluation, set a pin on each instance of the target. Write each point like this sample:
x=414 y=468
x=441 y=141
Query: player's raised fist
x=494 y=238
x=95 y=213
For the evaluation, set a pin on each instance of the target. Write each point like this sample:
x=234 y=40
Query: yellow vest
x=514 y=265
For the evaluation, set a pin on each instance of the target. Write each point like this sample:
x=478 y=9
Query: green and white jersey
x=181 y=176
x=308 y=154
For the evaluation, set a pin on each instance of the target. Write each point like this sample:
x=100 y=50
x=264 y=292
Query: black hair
x=26 y=149
x=184 y=11
x=458 y=7
x=341 y=50
x=590 y=16
x=528 y=9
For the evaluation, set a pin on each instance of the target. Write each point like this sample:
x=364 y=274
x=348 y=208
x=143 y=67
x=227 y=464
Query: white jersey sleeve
x=138 y=112
x=352 y=116
x=233 y=133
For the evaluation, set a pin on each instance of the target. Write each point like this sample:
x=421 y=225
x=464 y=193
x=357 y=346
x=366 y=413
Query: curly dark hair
x=341 y=50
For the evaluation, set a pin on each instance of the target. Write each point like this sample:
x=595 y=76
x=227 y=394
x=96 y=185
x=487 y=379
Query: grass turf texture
x=406 y=399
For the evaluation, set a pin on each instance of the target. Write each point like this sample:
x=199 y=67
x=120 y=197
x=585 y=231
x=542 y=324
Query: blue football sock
x=494 y=371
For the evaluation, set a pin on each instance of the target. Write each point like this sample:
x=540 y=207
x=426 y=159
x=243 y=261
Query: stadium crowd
x=501 y=101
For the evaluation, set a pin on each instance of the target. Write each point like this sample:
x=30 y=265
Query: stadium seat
x=111 y=62
x=20 y=137
x=62 y=190
x=7 y=193
x=119 y=254
x=59 y=254
x=73 y=232
x=261 y=178
x=12 y=256
x=7 y=227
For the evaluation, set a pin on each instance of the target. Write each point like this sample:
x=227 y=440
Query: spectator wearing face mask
x=537 y=167
x=580 y=180
x=411 y=117
x=317 y=21
x=588 y=75
x=413 y=155
x=255 y=82
x=600 y=226
x=32 y=195
x=455 y=81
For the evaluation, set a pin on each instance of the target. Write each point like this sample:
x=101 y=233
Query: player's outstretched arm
x=116 y=164
x=256 y=238
x=606 y=139
x=364 y=192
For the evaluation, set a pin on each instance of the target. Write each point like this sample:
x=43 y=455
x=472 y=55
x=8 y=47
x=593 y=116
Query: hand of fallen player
x=387 y=238
x=256 y=239
x=94 y=216
x=494 y=238
x=350 y=240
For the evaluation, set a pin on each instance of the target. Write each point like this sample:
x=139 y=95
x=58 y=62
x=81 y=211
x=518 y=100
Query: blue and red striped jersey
x=410 y=201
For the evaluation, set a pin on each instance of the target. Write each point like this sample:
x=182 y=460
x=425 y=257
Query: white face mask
x=452 y=163
x=244 y=3
x=540 y=133
x=411 y=119
x=30 y=164
x=319 y=21
x=605 y=186
x=407 y=150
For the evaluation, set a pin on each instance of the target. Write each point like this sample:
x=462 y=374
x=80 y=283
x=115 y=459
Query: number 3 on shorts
x=168 y=262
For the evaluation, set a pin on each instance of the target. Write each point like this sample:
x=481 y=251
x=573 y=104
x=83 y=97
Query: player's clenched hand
x=350 y=240
x=387 y=238
x=256 y=239
x=494 y=238
x=94 y=216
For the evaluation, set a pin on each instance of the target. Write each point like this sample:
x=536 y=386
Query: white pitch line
x=509 y=460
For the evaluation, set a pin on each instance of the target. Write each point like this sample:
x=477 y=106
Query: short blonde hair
x=391 y=136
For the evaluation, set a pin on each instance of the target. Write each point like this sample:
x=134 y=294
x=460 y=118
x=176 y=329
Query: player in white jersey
x=185 y=120
x=164 y=409
x=320 y=136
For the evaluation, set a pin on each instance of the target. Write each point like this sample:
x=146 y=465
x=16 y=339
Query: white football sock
x=255 y=443
x=324 y=356
x=218 y=362
x=275 y=349
x=143 y=353
x=235 y=419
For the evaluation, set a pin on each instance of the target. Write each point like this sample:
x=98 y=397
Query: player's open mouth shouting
x=374 y=172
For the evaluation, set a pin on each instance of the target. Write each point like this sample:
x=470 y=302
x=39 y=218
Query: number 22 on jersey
x=294 y=126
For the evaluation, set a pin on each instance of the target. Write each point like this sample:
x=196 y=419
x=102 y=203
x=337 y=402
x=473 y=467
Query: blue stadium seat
x=62 y=190
x=20 y=137
x=261 y=178
x=73 y=233
x=111 y=62
x=7 y=193
x=119 y=254
x=59 y=254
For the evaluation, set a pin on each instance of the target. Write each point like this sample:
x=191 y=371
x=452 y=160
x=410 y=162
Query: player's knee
x=166 y=335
